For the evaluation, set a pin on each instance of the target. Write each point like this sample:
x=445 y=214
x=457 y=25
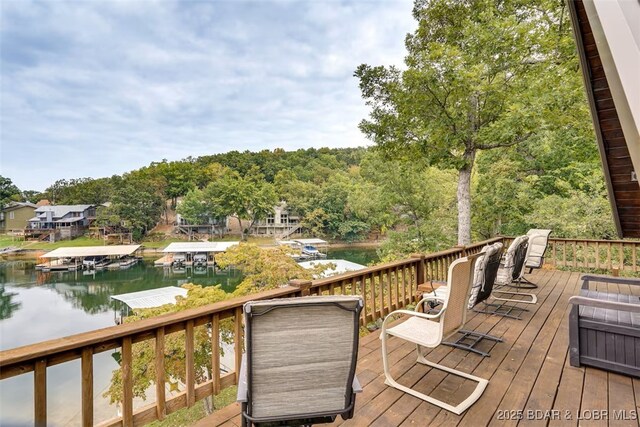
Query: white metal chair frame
x=425 y=319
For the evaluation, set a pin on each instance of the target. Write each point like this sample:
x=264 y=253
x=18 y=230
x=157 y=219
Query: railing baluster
x=396 y=276
x=127 y=383
x=609 y=256
x=389 y=290
x=40 y=392
x=564 y=254
x=87 y=386
x=381 y=284
x=190 y=364
x=634 y=259
x=373 y=297
x=353 y=286
x=404 y=286
x=621 y=249
x=597 y=254
x=555 y=254
x=215 y=353
x=238 y=342
x=161 y=410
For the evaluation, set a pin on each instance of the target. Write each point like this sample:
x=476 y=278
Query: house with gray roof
x=67 y=220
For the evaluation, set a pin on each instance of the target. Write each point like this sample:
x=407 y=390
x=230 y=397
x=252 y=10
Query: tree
x=475 y=72
x=245 y=198
x=136 y=205
x=263 y=269
x=8 y=191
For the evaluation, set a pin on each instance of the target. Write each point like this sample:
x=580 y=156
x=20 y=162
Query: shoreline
x=26 y=253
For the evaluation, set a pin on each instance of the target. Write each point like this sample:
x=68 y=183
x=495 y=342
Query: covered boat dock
x=146 y=299
x=90 y=258
x=192 y=253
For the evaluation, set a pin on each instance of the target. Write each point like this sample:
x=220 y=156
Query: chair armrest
x=598 y=303
x=428 y=298
x=409 y=313
x=243 y=387
x=357 y=388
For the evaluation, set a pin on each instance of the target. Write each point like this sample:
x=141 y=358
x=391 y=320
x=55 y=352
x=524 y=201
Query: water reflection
x=90 y=291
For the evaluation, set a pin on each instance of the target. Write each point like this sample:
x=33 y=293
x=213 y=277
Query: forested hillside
x=353 y=193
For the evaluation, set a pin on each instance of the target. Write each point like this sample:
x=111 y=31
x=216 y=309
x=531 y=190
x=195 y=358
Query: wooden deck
x=530 y=380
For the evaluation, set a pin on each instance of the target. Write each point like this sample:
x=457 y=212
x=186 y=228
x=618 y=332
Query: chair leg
x=460 y=408
x=533 y=300
x=501 y=310
x=523 y=283
x=476 y=337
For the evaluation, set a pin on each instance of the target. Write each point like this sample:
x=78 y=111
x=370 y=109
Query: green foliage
x=480 y=76
x=135 y=206
x=8 y=191
x=247 y=197
x=263 y=268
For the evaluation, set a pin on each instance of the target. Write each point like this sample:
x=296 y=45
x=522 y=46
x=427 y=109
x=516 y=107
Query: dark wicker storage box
x=604 y=326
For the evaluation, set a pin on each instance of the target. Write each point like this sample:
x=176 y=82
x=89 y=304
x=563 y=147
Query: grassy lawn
x=10 y=241
x=188 y=416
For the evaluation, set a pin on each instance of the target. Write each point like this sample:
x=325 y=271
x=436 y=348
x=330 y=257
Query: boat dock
x=145 y=299
x=306 y=249
x=187 y=254
x=90 y=258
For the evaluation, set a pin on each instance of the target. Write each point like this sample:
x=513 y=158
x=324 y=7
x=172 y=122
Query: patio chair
x=487 y=291
x=512 y=268
x=429 y=330
x=300 y=360
x=538 y=242
x=484 y=272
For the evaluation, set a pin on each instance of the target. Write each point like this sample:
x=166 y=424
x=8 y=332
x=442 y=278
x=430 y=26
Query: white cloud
x=102 y=87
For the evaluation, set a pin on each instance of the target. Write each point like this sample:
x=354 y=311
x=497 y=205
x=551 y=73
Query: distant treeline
x=355 y=193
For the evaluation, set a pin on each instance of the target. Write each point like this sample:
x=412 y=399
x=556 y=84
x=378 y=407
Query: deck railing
x=611 y=255
x=384 y=288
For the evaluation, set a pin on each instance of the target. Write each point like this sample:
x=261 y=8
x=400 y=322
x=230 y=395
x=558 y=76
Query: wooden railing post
x=304 y=285
x=40 y=392
x=420 y=271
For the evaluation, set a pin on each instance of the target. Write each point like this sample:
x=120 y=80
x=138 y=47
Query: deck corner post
x=303 y=285
x=420 y=271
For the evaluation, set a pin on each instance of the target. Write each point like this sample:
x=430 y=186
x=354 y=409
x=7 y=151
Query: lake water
x=37 y=306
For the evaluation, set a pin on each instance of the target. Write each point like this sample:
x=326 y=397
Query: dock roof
x=193 y=247
x=85 y=251
x=151 y=297
x=341 y=266
x=317 y=242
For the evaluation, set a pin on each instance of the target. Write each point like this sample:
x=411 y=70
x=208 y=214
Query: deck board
x=529 y=374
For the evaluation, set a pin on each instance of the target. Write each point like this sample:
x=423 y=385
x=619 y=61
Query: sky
x=97 y=88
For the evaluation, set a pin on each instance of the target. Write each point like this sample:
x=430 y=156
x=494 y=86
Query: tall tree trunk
x=464 y=199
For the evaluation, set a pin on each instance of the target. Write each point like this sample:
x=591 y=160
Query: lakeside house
x=15 y=216
x=281 y=223
x=60 y=221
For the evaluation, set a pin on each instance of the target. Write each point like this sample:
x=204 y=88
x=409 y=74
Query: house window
x=271 y=220
x=284 y=218
x=12 y=215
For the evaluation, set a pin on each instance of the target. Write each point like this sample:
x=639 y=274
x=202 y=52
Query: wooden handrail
x=60 y=345
x=384 y=288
